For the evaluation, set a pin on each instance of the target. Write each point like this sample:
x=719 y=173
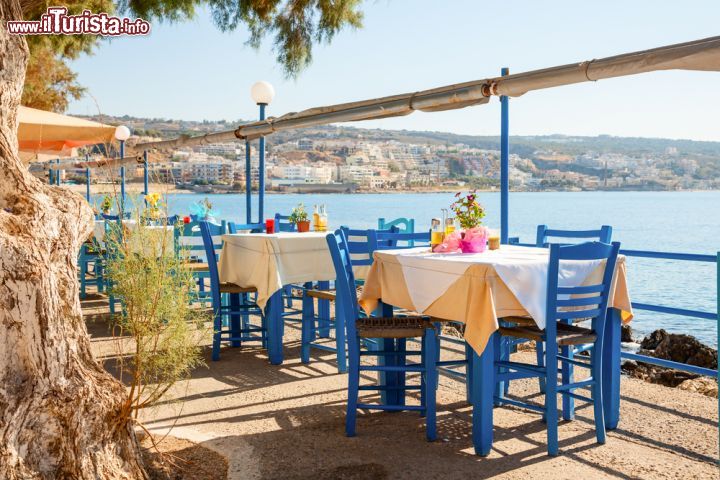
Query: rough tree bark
x=58 y=407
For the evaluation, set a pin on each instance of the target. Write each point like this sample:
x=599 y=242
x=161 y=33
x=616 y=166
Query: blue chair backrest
x=361 y=247
x=579 y=302
x=282 y=223
x=209 y=245
x=245 y=227
x=397 y=240
x=604 y=235
x=346 y=303
x=188 y=237
x=402 y=224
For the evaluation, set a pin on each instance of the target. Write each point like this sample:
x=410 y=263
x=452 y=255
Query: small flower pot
x=303 y=226
x=476 y=245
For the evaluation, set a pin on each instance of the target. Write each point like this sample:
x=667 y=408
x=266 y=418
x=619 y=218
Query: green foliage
x=467 y=210
x=159 y=330
x=294 y=25
x=298 y=214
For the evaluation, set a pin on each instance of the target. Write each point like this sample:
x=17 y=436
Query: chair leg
x=340 y=343
x=501 y=351
x=307 y=328
x=217 y=326
x=264 y=331
x=551 y=412
x=235 y=320
x=400 y=376
x=353 y=387
x=244 y=299
x=597 y=392
x=567 y=372
x=430 y=365
x=540 y=355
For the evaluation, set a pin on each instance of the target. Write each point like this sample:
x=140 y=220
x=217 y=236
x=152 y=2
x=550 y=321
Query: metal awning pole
x=58 y=177
x=504 y=164
x=122 y=180
x=51 y=173
x=248 y=184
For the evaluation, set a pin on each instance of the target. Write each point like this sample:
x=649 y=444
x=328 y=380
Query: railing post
x=504 y=164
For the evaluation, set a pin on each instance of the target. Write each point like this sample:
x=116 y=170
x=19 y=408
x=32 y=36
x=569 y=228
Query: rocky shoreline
x=676 y=348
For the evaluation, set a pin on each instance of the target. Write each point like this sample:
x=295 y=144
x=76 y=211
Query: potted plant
x=106 y=205
x=299 y=217
x=473 y=238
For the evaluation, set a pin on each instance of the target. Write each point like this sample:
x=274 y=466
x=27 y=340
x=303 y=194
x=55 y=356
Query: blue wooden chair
x=282 y=223
x=402 y=224
x=320 y=324
x=239 y=304
x=565 y=305
x=90 y=262
x=189 y=242
x=603 y=234
x=245 y=227
x=397 y=240
x=394 y=331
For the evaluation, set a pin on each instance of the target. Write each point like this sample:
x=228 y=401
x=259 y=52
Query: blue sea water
x=687 y=222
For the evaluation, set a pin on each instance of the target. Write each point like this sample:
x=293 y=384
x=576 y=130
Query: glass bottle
x=323 y=219
x=449 y=225
x=316 y=218
x=436 y=233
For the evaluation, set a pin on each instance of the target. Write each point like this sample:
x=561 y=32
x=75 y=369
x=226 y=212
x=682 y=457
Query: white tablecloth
x=524 y=270
x=268 y=262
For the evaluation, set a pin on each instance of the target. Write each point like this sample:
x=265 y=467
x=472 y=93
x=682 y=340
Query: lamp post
x=122 y=133
x=262 y=93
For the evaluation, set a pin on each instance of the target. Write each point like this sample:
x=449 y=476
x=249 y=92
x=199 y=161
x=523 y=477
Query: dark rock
x=652 y=340
x=626 y=334
x=686 y=349
x=677 y=348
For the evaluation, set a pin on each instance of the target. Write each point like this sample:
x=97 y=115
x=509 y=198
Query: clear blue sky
x=192 y=71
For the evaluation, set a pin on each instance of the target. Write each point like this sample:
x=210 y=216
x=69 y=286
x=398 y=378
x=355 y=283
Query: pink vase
x=476 y=245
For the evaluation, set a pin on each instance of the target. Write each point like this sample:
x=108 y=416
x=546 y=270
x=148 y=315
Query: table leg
x=324 y=312
x=235 y=319
x=273 y=314
x=483 y=386
x=611 y=368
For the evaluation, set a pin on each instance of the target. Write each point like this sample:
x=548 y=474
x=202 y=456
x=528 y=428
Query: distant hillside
x=525 y=146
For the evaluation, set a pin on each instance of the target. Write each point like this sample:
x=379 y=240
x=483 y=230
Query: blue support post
x=122 y=190
x=145 y=174
x=58 y=177
x=504 y=163
x=122 y=178
x=51 y=173
x=87 y=184
x=717 y=293
x=248 y=185
x=261 y=172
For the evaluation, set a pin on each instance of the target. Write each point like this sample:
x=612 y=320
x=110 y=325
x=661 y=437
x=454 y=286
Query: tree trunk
x=58 y=407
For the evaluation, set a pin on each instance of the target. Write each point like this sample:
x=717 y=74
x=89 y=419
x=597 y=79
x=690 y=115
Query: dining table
x=269 y=263
x=478 y=290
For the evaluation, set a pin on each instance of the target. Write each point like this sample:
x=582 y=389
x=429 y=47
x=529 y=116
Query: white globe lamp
x=262 y=92
x=122 y=133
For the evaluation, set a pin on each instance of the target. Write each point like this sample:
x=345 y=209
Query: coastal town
x=342 y=159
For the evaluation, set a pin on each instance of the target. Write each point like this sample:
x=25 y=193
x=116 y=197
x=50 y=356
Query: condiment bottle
x=323 y=219
x=436 y=233
x=316 y=219
x=449 y=225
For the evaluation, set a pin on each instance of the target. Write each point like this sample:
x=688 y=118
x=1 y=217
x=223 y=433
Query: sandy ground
x=287 y=422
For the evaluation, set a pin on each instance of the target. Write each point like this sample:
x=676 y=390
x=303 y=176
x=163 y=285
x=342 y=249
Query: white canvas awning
x=696 y=55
